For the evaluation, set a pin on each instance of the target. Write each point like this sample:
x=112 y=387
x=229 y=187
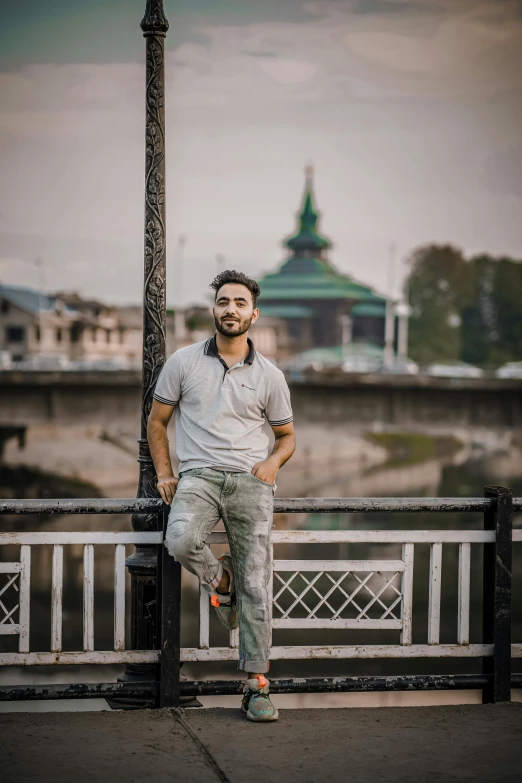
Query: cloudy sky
x=409 y=110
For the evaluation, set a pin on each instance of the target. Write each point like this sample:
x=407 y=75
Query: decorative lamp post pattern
x=154 y=26
x=145 y=631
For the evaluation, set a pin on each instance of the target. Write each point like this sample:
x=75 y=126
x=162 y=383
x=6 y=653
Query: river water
x=454 y=477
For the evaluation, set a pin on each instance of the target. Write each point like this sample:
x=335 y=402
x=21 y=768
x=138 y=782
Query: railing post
x=496 y=598
x=170 y=601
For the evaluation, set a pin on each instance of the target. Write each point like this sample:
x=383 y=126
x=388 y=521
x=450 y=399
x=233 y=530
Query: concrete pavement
x=476 y=743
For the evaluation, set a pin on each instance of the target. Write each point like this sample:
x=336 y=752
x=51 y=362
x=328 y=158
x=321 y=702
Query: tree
x=439 y=287
x=492 y=322
x=464 y=309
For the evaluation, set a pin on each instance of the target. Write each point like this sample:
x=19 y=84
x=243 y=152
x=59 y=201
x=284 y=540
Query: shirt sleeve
x=279 y=409
x=168 y=386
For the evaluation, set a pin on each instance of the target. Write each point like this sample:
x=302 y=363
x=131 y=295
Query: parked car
x=42 y=362
x=316 y=359
x=110 y=364
x=402 y=366
x=354 y=357
x=454 y=370
x=361 y=363
x=509 y=370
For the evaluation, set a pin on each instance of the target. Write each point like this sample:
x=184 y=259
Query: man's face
x=234 y=310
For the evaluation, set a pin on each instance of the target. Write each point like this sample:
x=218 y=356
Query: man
x=223 y=390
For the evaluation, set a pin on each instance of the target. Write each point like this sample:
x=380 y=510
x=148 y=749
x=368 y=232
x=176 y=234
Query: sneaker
x=256 y=700
x=225 y=603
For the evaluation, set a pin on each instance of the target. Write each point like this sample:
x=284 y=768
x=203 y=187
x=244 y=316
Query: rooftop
x=30 y=300
x=285 y=311
x=335 y=355
x=305 y=278
x=369 y=309
x=307 y=275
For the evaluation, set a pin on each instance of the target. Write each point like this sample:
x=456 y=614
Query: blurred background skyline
x=409 y=110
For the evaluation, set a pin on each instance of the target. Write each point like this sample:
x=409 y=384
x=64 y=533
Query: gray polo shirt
x=220 y=411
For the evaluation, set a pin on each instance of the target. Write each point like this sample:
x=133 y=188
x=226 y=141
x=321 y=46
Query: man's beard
x=233 y=330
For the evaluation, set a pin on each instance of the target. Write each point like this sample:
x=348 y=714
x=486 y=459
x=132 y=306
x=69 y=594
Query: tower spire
x=308 y=240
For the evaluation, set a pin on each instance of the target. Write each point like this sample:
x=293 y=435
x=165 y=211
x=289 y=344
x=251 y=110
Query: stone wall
x=112 y=400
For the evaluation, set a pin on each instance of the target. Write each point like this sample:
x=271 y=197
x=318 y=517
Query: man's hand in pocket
x=266 y=470
x=167 y=486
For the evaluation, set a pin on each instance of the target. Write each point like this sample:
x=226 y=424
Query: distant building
x=33 y=323
x=36 y=328
x=105 y=333
x=271 y=338
x=319 y=306
x=188 y=325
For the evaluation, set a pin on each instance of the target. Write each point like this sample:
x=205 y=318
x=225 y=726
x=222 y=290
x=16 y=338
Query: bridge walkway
x=479 y=743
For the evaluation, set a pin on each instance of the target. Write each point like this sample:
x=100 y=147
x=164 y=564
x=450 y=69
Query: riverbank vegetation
x=409 y=448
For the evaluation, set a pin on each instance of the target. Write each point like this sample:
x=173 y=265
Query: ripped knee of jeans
x=180 y=537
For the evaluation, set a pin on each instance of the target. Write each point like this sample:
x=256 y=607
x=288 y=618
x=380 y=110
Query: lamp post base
x=145 y=673
x=146 y=632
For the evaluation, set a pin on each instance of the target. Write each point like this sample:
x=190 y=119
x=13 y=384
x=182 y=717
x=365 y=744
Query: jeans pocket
x=264 y=483
x=192 y=472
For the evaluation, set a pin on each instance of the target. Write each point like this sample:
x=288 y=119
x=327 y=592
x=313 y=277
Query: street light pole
x=179 y=311
x=38 y=262
x=145 y=635
x=403 y=311
x=389 y=323
x=220 y=263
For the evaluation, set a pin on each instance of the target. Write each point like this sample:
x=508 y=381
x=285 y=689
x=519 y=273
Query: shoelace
x=260 y=695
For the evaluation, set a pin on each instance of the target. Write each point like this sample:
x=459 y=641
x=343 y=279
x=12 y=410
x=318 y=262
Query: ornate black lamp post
x=142 y=564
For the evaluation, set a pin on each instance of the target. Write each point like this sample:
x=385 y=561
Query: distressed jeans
x=245 y=504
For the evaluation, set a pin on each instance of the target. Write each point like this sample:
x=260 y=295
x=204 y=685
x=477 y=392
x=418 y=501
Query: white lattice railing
x=306 y=594
x=17 y=587
x=396 y=578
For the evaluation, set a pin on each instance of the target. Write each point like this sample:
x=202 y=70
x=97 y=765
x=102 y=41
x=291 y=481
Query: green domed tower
x=308 y=292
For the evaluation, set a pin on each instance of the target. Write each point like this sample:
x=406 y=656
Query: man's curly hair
x=231 y=276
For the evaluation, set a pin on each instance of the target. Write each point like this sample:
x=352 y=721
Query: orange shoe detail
x=262 y=680
x=214 y=600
